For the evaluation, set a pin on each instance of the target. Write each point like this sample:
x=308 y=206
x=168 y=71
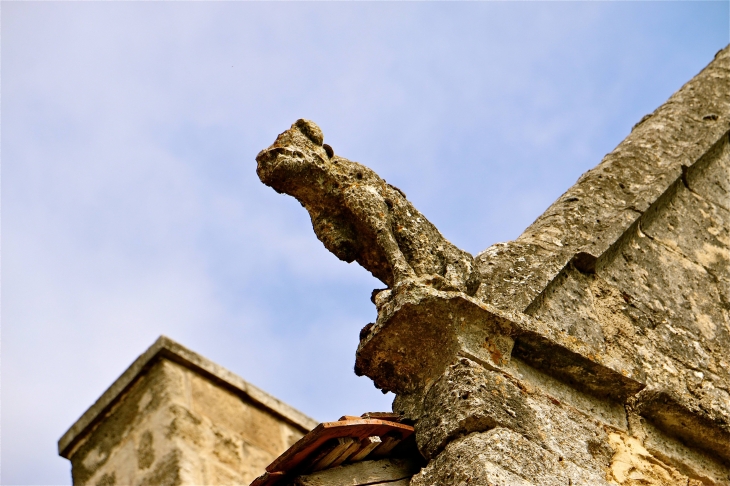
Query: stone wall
x=596 y=349
x=519 y=426
x=176 y=418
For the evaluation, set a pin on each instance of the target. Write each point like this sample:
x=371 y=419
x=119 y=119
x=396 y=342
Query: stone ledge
x=687 y=421
x=605 y=201
x=421 y=331
x=166 y=348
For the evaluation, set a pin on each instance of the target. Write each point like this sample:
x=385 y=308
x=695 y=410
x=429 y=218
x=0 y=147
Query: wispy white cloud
x=131 y=207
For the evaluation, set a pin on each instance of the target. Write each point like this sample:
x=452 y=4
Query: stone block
x=503 y=457
x=695 y=464
x=421 y=330
x=470 y=398
x=711 y=175
x=588 y=435
x=632 y=465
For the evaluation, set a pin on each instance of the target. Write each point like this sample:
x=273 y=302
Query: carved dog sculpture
x=359 y=217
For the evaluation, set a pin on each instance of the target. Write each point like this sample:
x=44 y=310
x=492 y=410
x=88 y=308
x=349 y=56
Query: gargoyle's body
x=360 y=217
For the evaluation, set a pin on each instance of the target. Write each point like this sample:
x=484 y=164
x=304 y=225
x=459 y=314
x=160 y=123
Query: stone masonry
x=175 y=418
x=594 y=349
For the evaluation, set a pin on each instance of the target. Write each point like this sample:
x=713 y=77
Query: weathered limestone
x=504 y=457
x=176 y=418
x=360 y=217
x=595 y=348
x=591 y=438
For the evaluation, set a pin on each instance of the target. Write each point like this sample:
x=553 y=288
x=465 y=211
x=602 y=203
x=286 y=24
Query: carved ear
x=311 y=130
x=328 y=149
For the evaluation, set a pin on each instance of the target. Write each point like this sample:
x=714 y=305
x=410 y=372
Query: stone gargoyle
x=360 y=217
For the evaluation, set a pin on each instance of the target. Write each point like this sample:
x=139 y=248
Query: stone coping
x=603 y=205
x=166 y=348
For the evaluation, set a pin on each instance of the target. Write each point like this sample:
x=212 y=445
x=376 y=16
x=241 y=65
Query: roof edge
x=608 y=199
x=165 y=347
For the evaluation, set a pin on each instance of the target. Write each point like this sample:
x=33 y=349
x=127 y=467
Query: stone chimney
x=174 y=417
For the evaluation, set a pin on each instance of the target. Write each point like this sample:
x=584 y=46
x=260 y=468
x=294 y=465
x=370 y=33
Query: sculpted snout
x=291 y=153
x=271 y=157
x=278 y=163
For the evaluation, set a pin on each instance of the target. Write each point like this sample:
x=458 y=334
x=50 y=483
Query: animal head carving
x=297 y=154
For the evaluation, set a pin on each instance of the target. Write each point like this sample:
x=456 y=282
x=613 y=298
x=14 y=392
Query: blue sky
x=131 y=207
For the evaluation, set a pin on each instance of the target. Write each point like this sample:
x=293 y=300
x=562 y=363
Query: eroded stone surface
x=606 y=200
x=402 y=357
x=657 y=306
x=470 y=398
x=502 y=457
x=360 y=217
x=632 y=465
x=585 y=434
